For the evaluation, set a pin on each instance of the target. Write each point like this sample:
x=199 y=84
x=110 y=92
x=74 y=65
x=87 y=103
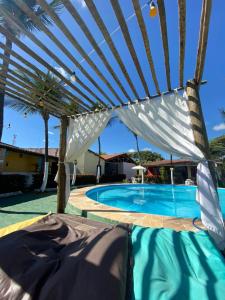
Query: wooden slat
x=61 y=194
x=118 y=12
x=31 y=87
x=163 y=26
x=18 y=88
x=22 y=5
x=14 y=22
x=75 y=43
x=31 y=66
x=182 y=35
x=72 y=10
x=146 y=41
x=33 y=75
x=203 y=39
x=96 y=16
x=21 y=99
x=25 y=94
x=39 y=60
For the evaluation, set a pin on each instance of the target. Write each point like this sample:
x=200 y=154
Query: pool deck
x=98 y=211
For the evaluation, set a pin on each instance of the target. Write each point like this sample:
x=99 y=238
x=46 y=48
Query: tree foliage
x=146 y=156
x=12 y=8
x=217 y=147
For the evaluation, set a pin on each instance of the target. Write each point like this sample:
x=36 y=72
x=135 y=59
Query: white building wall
x=127 y=169
x=87 y=164
x=80 y=165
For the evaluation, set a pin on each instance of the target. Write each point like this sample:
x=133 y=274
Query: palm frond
x=28 y=24
x=24 y=108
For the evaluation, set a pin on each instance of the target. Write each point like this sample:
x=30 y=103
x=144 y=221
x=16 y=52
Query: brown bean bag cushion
x=64 y=257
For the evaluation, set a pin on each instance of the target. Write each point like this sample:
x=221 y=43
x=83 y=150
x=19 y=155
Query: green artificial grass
x=26 y=206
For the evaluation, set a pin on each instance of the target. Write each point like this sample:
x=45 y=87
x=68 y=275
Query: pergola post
x=198 y=123
x=61 y=194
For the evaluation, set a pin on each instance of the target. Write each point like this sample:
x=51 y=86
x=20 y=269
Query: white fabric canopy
x=165 y=122
x=82 y=132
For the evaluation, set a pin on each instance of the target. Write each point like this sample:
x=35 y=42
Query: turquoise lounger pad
x=176 y=265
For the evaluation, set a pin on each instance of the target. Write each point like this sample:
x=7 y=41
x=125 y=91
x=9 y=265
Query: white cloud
x=218 y=127
x=82 y=3
x=146 y=149
x=131 y=151
x=50 y=132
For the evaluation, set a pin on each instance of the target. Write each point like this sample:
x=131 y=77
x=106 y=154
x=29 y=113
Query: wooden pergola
x=105 y=92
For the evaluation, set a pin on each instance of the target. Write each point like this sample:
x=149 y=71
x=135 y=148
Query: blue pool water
x=167 y=200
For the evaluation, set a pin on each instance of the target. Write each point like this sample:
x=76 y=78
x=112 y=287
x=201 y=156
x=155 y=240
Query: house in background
x=86 y=165
x=183 y=169
x=15 y=160
x=117 y=164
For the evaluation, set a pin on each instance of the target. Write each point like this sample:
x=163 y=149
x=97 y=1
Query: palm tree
x=98 y=107
x=11 y=7
x=47 y=85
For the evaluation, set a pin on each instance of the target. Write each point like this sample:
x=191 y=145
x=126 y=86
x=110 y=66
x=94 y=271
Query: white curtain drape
x=82 y=132
x=74 y=174
x=45 y=178
x=165 y=122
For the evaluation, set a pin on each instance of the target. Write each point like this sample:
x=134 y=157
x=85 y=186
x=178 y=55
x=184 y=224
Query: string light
x=41 y=104
x=73 y=77
x=153 y=9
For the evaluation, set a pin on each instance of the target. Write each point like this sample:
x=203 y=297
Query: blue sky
x=30 y=131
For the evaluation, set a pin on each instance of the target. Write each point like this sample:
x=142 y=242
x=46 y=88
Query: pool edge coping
x=94 y=210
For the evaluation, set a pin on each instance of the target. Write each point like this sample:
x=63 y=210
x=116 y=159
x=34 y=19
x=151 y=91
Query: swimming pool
x=160 y=199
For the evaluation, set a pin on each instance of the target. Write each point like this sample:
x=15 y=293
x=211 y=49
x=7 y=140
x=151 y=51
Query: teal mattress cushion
x=176 y=265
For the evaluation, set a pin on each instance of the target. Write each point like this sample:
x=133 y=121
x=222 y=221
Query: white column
x=171 y=175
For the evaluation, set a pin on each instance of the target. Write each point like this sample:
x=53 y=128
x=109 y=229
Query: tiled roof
x=115 y=155
x=167 y=162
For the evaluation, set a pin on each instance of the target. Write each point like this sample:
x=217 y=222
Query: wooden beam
x=98 y=19
x=24 y=98
x=22 y=5
x=182 y=35
x=198 y=124
x=17 y=24
x=197 y=119
x=203 y=39
x=146 y=41
x=39 y=60
x=67 y=93
x=76 y=44
x=61 y=194
x=34 y=76
x=163 y=26
x=119 y=15
x=26 y=94
x=72 y=10
x=34 y=92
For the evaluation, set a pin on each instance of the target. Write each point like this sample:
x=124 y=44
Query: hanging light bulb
x=9 y=126
x=41 y=104
x=153 y=9
x=73 y=77
x=25 y=115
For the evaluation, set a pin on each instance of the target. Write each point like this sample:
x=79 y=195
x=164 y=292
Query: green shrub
x=12 y=183
x=85 y=179
x=164 y=176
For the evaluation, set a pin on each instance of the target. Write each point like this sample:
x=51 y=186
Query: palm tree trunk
x=45 y=116
x=98 y=171
x=5 y=66
x=99 y=150
x=138 y=150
